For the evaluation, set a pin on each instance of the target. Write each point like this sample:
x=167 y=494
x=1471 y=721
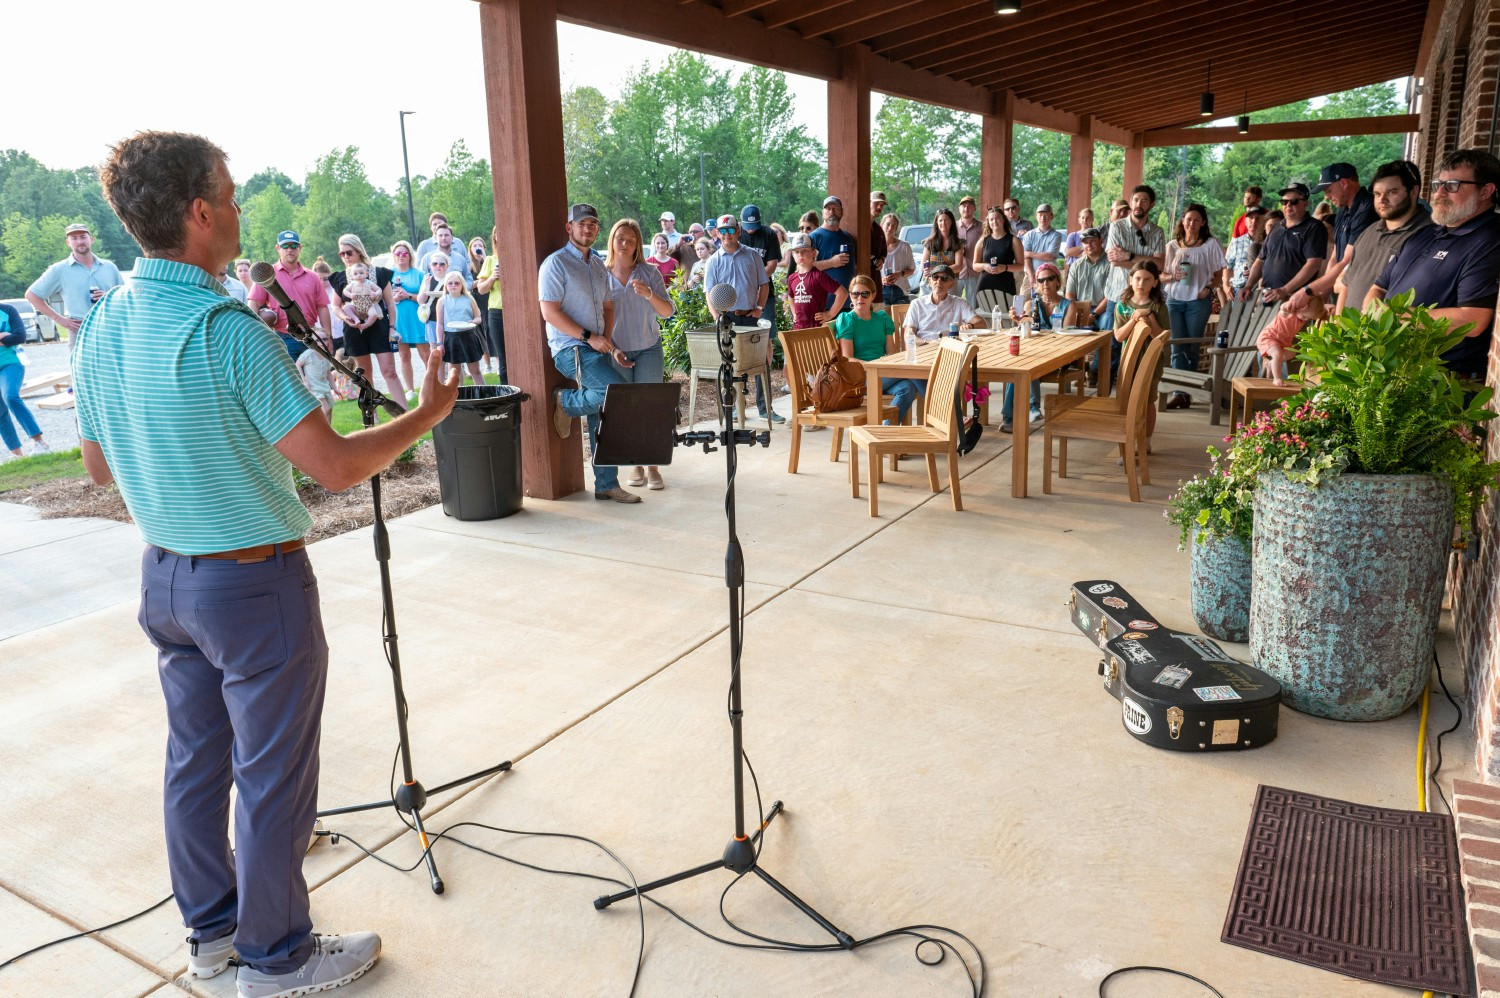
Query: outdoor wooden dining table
x=1041 y=354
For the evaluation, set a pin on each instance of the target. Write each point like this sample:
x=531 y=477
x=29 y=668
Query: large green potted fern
x=1363 y=480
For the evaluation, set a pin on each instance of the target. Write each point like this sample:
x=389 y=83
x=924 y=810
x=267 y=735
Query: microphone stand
x=410 y=797
x=741 y=855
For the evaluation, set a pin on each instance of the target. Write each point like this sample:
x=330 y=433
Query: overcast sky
x=279 y=82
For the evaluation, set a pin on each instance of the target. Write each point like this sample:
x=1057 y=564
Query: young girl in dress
x=461 y=347
x=1277 y=343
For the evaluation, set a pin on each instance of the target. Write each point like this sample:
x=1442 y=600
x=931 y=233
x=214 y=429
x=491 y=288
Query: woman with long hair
x=944 y=245
x=899 y=264
x=639 y=294
x=1194 y=269
x=411 y=331
x=999 y=256
x=487 y=290
x=373 y=334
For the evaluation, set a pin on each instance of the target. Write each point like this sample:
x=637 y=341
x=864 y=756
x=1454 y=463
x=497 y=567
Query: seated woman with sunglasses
x=1047 y=308
x=864 y=334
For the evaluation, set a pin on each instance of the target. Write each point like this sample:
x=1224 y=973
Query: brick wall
x=1483 y=45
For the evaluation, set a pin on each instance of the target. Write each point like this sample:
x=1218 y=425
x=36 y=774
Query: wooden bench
x=1242 y=321
x=56 y=382
x=62 y=400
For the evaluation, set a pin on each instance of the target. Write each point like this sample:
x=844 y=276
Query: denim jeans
x=1189 y=319
x=1008 y=405
x=893 y=294
x=599 y=372
x=11 y=405
x=903 y=392
x=650 y=366
x=1106 y=322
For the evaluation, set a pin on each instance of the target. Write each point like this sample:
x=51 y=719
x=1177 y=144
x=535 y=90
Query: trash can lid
x=491 y=393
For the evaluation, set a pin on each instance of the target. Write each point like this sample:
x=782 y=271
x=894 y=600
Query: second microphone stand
x=741 y=855
x=410 y=797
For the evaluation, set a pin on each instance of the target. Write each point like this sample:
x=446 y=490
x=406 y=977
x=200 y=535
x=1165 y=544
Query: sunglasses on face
x=1451 y=186
x=859 y=294
x=1051 y=277
x=291 y=245
x=1288 y=202
x=347 y=252
x=402 y=253
x=943 y=277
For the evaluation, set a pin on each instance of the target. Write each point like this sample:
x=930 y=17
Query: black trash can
x=479 y=453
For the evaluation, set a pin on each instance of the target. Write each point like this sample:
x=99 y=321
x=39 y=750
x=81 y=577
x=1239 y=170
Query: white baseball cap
x=667 y=216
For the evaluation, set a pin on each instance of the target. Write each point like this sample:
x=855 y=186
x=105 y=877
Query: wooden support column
x=523 y=93
x=1080 y=172
x=1135 y=165
x=849 y=147
x=994 y=150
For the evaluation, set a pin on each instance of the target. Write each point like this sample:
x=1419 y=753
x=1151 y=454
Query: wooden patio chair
x=898 y=316
x=1130 y=358
x=1100 y=419
x=937 y=433
x=1242 y=321
x=986 y=302
x=805 y=351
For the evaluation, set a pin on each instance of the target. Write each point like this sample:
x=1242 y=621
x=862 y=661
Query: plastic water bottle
x=953 y=330
x=911 y=347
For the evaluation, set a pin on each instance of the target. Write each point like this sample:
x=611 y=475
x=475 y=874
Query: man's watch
x=587 y=335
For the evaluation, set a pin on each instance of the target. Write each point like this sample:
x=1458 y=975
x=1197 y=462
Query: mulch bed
x=404 y=488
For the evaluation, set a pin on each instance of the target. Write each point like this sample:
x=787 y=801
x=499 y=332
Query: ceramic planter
x=1347 y=584
x=1220 y=575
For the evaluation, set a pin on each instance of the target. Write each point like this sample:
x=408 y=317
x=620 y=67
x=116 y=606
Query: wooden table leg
x=872 y=397
x=1020 y=421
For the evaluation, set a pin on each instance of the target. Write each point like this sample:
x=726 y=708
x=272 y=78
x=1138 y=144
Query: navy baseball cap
x=286 y=237
x=1333 y=173
x=750 y=218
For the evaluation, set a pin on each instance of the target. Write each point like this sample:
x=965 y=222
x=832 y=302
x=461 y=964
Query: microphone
x=721 y=298
x=265 y=275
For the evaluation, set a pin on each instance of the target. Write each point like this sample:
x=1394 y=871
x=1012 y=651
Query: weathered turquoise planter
x=1220 y=587
x=1347 y=584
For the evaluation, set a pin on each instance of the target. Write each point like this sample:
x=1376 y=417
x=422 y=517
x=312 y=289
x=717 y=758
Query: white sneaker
x=40 y=447
x=335 y=961
x=210 y=958
x=1036 y=415
x=411 y=398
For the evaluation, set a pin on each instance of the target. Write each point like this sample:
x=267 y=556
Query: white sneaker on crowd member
x=335 y=961
x=210 y=958
x=40 y=447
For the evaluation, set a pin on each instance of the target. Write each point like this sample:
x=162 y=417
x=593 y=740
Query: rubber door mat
x=1370 y=892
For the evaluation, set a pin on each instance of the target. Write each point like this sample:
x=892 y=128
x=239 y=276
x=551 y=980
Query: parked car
x=38 y=327
x=914 y=234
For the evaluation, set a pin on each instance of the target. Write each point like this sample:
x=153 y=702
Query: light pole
x=411 y=214
x=702 y=191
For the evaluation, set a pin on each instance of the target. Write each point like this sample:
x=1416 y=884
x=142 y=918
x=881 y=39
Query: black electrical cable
x=1159 y=970
x=1437 y=764
x=87 y=932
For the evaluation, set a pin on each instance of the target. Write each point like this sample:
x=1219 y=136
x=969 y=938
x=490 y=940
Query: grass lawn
x=26 y=471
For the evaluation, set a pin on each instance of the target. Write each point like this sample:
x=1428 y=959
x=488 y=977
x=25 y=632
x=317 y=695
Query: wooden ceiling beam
x=1389 y=124
x=789 y=12
x=1063 y=26
x=932 y=20
x=823 y=23
x=739 y=8
x=706 y=29
x=1184 y=85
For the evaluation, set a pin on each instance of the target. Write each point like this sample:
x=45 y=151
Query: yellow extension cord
x=1421 y=764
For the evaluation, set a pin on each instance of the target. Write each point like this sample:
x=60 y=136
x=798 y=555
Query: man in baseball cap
x=1339 y=183
x=1294 y=251
x=669 y=229
x=836 y=246
x=878 y=246
x=742 y=270
x=80 y=277
x=301 y=285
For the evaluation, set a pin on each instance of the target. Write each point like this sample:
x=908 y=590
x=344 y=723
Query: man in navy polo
x=1294 y=251
x=1339 y=184
x=1454 y=264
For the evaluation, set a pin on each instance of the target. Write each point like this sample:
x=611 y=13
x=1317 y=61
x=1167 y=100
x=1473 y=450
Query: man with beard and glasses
x=1294 y=251
x=1453 y=265
x=1396 y=187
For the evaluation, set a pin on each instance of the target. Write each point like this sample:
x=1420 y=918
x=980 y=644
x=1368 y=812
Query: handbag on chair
x=838 y=385
x=972 y=429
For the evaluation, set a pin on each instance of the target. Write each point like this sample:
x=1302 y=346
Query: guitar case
x=1177 y=691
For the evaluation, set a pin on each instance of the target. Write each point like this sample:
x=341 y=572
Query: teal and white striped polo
x=187 y=392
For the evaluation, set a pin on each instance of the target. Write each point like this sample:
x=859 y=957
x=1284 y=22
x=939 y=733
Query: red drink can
x=1015 y=345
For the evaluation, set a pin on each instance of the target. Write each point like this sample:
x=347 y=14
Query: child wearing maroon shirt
x=809 y=288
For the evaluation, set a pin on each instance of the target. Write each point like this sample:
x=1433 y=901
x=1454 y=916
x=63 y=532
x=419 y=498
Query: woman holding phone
x=640 y=302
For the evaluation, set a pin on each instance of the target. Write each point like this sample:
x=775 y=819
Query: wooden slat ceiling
x=1137 y=66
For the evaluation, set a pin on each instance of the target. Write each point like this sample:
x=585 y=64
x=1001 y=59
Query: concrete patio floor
x=914 y=692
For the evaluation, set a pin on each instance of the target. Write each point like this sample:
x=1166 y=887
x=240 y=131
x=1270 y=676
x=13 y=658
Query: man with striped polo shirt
x=192 y=406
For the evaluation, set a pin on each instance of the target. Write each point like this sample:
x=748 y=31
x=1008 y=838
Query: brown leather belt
x=250 y=555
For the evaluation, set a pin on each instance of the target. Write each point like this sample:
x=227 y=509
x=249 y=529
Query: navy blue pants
x=243 y=663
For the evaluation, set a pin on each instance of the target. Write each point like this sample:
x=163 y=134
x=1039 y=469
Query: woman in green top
x=865 y=335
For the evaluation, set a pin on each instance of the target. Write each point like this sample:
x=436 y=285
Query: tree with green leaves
x=463 y=190
x=340 y=198
x=31 y=246
x=261 y=218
